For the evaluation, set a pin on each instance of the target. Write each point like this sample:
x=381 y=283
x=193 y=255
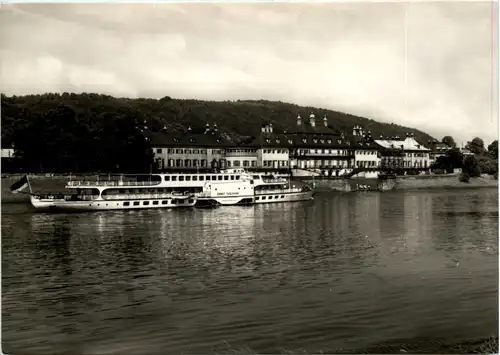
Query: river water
x=342 y=271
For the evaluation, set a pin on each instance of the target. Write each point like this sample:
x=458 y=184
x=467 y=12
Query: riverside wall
x=403 y=183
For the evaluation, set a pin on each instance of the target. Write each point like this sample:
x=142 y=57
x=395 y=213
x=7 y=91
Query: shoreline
x=412 y=346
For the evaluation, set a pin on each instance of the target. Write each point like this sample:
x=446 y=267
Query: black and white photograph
x=203 y=177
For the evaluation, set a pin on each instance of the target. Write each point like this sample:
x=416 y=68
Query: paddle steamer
x=173 y=190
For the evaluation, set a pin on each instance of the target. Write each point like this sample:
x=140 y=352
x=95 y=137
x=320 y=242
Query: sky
x=428 y=65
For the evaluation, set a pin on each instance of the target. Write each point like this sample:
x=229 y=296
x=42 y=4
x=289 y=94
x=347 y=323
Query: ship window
x=190 y=201
x=257 y=198
x=164 y=202
x=126 y=203
x=167 y=178
x=181 y=178
x=155 y=202
x=145 y=203
x=237 y=177
x=136 y=203
x=188 y=178
x=263 y=197
x=195 y=178
x=174 y=178
x=202 y=177
x=226 y=177
x=282 y=196
x=219 y=177
x=232 y=177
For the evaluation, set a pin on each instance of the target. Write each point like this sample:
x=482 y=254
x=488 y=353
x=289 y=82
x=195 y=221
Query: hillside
x=89 y=122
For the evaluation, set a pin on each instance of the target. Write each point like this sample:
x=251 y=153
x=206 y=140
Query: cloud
x=345 y=56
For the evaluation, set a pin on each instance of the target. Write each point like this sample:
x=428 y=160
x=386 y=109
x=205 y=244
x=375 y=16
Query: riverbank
x=417 y=346
x=405 y=183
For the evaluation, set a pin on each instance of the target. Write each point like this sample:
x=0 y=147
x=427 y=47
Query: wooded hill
x=90 y=132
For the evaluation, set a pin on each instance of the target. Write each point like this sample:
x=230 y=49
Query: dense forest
x=92 y=132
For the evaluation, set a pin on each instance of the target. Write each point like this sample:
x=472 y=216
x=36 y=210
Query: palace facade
x=311 y=146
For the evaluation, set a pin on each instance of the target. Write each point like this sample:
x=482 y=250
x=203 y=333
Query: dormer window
x=278 y=141
x=304 y=140
x=290 y=141
x=176 y=140
x=315 y=140
x=268 y=140
x=339 y=141
x=322 y=141
x=191 y=140
x=329 y=141
x=219 y=140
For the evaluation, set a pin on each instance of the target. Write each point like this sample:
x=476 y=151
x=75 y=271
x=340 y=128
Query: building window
x=236 y=163
x=158 y=150
x=246 y=163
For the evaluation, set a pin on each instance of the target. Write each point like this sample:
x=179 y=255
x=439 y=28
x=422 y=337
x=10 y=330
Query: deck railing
x=112 y=183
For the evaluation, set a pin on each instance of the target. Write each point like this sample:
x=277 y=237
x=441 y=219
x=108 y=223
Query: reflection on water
x=344 y=270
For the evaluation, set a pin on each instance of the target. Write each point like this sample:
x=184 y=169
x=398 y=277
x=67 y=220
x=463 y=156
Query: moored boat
x=173 y=190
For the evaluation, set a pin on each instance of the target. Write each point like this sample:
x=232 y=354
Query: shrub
x=464 y=177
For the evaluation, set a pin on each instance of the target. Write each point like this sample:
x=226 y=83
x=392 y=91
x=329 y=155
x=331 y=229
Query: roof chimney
x=263 y=128
x=299 y=120
x=207 y=128
x=325 y=121
x=189 y=129
x=270 y=128
x=312 y=120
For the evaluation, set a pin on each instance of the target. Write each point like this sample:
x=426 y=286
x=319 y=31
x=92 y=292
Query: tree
x=471 y=167
x=493 y=149
x=453 y=159
x=449 y=141
x=476 y=146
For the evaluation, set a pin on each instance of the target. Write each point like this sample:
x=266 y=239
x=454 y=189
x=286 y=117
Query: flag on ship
x=19 y=185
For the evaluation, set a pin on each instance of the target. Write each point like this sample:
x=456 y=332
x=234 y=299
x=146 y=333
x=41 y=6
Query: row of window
x=275 y=151
x=163 y=202
x=238 y=163
x=269 y=197
x=366 y=164
x=324 y=151
x=187 y=151
x=275 y=163
x=201 y=177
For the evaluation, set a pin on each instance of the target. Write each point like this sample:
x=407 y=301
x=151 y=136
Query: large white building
x=205 y=149
x=307 y=149
x=414 y=154
x=317 y=148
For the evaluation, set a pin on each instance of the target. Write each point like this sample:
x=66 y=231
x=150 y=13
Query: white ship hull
x=99 y=205
x=255 y=199
x=287 y=197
